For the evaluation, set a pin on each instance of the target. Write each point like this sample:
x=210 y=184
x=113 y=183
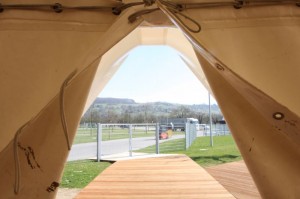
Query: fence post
x=99 y=141
x=130 y=140
x=195 y=131
x=157 y=138
x=191 y=134
x=187 y=137
x=210 y=122
x=109 y=133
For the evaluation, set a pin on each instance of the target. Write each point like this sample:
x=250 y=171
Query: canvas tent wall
x=50 y=53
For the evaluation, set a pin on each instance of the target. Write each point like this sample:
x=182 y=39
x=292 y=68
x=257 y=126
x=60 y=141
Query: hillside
x=127 y=110
x=113 y=101
x=118 y=104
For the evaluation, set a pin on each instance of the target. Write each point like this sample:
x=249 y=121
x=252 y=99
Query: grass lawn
x=224 y=150
x=172 y=146
x=78 y=174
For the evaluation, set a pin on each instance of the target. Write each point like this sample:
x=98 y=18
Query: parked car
x=163 y=132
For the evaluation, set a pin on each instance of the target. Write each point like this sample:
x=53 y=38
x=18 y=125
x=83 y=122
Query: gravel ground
x=65 y=193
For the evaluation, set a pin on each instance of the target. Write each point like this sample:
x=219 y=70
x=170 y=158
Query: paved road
x=89 y=150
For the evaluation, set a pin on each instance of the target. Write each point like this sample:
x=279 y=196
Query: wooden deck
x=236 y=178
x=166 y=177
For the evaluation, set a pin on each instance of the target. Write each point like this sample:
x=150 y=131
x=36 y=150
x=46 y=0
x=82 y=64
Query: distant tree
x=94 y=115
x=111 y=116
x=127 y=111
x=216 y=117
x=146 y=109
x=205 y=119
x=181 y=112
x=152 y=118
x=126 y=116
x=138 y=118
x=201 y=116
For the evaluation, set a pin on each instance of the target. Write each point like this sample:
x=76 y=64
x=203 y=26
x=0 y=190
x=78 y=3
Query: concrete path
x=89 y=150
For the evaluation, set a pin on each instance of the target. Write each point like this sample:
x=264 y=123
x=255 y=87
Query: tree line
x=144 y=114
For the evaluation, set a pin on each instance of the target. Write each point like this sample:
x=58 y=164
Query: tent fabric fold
x=247 y=62
x=247 y=51
x=38 y=63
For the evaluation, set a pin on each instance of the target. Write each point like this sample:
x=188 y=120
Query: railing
x=217 y=130
x=190 y=134
x=115 y=136
x=136 y=139
x=141 y=138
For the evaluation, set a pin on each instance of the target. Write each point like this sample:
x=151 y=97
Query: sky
x=156 y=73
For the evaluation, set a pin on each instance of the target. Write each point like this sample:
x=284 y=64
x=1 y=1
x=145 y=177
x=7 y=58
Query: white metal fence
x=131 y=139
x=141 y=138
x=190 y=134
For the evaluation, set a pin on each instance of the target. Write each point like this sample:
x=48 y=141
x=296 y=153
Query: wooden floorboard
x=236 y=178
x=165 y=177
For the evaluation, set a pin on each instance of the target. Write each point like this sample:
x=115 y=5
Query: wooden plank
x=165 y=177
x=236 y=178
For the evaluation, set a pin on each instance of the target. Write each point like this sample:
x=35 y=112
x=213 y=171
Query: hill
x=108 y=110
x=113 y=101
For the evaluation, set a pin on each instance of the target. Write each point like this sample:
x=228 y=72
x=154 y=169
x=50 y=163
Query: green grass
x=78 y=174
x=166 y=147
x=223 y=151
